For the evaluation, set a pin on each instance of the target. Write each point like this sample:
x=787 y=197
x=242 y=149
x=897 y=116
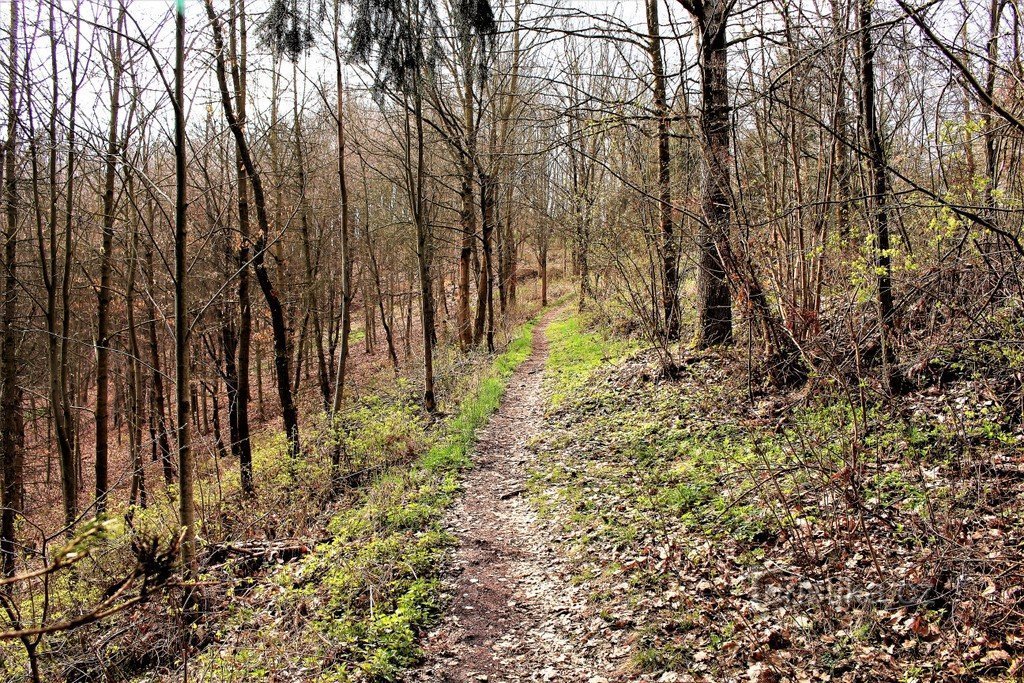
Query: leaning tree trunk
x=279 y=327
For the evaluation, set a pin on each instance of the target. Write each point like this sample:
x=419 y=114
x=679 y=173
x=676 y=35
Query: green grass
x=574 y=353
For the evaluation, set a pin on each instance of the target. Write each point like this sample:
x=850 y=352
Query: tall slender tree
x=182 y=395
x=279 y=326
x=669 y=255
x=10 y=398
x=400 y=39
x=878 y=198
x=106 y=267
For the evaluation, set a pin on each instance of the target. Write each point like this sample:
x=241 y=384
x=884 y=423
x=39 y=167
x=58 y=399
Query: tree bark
x=467 y=222
x=186 y=496
x=158 y=413
x=55 y=274
x=135 y=409
x=714 y=304
x=106 y=267
x=485 y=302
x=237 y=384
x=10 y=398
x=669 y=257
x=878 y=201
x=343 y=210
x=415 y=180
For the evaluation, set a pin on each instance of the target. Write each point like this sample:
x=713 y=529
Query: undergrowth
x=355 y=605
x=828 y=541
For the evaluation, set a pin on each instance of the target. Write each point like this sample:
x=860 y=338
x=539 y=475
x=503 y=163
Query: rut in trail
x=514 y=615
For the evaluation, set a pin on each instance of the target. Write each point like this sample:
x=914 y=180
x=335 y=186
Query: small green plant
x=374 y=587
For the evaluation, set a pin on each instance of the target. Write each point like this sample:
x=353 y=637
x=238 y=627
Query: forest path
x=514 y=615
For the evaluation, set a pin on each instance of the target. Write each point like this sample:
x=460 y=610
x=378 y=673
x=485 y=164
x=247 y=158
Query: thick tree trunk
x=714 y=304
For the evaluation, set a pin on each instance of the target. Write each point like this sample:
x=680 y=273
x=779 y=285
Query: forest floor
x=618 y=525
x=515 y=614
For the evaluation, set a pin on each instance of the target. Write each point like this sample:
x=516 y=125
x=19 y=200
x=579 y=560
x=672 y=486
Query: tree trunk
x=237 y=357
x=10 y=398
x=56 y=281
x=467 y=221
x=106 y=267
x=385 y=319
x=343 y=209
x=669 y=257
x=483 y=286
x=714 y=304
x=186 y=496
x=415 y=180
x=135 y=409
x=879 y=199
x=70 y=459
x=488 y=191
x=542 y=261
x=158 y=413
x=279 y=327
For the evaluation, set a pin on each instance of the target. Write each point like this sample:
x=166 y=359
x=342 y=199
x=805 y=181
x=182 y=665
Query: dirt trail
x=514 y=615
